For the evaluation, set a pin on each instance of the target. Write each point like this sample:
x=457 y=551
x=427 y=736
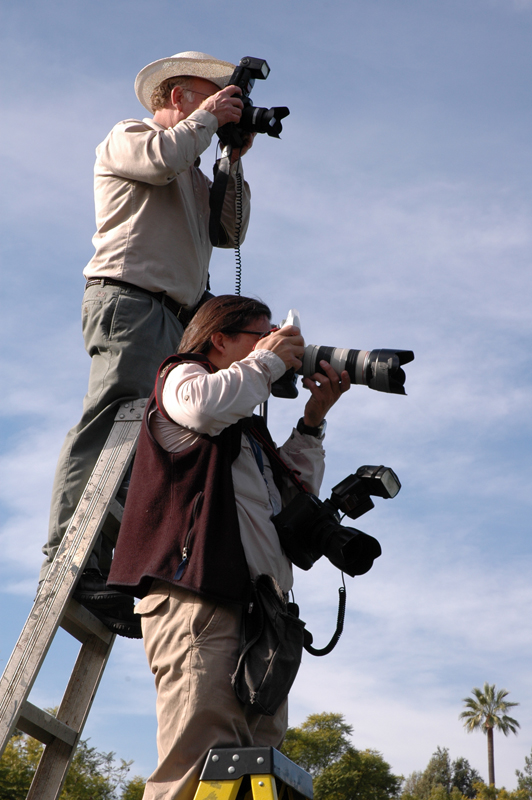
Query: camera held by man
x=254 y=119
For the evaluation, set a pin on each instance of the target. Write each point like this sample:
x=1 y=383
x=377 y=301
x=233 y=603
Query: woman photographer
x=197 y=526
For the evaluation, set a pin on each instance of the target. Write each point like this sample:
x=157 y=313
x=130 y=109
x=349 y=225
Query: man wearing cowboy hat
x=149 y=271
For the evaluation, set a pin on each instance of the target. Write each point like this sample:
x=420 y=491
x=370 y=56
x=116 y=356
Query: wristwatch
x=318 y=431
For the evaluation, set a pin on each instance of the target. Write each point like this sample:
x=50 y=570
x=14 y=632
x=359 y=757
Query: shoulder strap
x=168 y=365
x=259 y=430
x=222 y=169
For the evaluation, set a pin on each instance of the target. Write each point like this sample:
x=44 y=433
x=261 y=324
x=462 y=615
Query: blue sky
x=395 y=212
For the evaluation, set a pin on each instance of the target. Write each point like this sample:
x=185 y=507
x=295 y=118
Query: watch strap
x=318 y=431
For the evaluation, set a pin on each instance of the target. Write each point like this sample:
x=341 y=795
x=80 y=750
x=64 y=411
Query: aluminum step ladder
x=54 y=607
x=262 y=773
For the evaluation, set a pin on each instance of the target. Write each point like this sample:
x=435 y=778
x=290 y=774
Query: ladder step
x=44 y=726
x=80 y=623
x=229 y=764
x=116 y=509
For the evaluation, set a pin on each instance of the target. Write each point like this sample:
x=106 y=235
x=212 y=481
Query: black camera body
x=309 y=528
x=254 y=119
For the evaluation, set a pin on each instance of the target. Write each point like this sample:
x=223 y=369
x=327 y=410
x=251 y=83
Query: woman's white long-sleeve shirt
x=203 y=403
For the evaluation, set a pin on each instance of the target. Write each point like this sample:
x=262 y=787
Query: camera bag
x=270 y=650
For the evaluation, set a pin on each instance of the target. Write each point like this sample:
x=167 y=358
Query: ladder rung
x=43 y=726
x=81 y=624
x=116 y=509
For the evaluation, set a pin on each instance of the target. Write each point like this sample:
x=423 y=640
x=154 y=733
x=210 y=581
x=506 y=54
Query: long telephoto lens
x=378 y=369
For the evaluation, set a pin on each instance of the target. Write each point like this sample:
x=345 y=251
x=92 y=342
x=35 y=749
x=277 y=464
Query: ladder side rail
x=72 y=555
x=218 y=790
x=263 y=787
x=73 y=712
x=84 y=626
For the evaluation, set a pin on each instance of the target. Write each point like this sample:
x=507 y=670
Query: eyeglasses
x=194 y=91
x=255 y=333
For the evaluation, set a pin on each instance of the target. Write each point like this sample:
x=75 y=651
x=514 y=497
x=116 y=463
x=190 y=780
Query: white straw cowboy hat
x=199 y=65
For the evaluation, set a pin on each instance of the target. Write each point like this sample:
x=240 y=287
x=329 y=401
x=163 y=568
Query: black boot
x=120 y=620
x=91 y=591
x=113 y=608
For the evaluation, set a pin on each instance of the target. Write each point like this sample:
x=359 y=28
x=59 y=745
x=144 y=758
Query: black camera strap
x=272 y=454
x=222 y=168
x=217 y=233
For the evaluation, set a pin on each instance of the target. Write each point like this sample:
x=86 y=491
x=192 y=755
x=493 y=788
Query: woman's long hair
x=225 y=314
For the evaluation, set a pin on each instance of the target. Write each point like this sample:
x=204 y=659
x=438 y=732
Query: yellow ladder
x=229 y=773
x=54 y=607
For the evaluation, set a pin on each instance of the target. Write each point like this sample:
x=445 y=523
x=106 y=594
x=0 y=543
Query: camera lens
x=378 y=369
x=262 y=120
x=350 y=550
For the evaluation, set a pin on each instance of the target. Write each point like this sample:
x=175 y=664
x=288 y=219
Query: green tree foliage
x=92 y=775
x=465 y=777
x=17 y=766
x=438 y=773
x=486 y=711
x=134 y=789
x=321 y=740
x=442 y=779
x=360 y=774
x=410 y=786
x=340 y=772
x=524 y=779
x=492 y=793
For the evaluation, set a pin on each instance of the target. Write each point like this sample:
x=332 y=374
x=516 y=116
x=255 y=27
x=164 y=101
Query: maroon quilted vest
x=180 y=520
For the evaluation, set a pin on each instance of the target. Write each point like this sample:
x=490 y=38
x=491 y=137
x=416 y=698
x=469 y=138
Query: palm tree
x=487 y=710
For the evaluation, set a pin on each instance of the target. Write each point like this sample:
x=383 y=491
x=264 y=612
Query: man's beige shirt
x=152 y=207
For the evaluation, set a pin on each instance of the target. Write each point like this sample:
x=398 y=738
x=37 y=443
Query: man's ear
x=218 y=342
x=176 y=97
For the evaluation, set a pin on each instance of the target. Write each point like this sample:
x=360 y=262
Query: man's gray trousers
x=127 y=334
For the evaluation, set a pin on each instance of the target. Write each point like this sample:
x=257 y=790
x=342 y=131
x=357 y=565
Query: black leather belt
x=184 y=315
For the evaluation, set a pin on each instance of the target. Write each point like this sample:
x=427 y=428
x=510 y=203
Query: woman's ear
x=218 y=342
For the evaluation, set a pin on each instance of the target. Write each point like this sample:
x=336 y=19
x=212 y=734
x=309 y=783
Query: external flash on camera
x=352 y=495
